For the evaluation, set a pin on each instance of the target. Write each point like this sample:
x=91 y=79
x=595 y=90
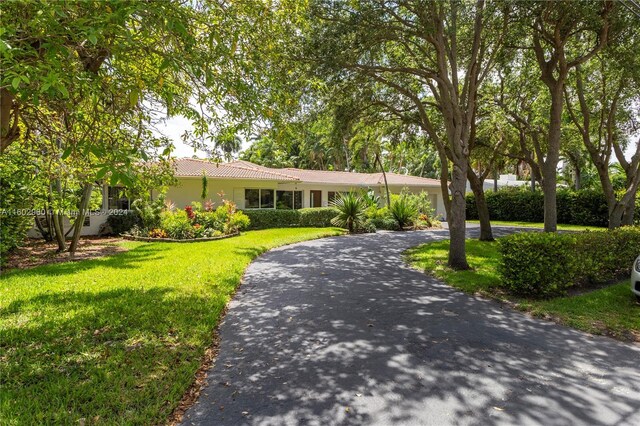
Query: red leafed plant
x=190 y=213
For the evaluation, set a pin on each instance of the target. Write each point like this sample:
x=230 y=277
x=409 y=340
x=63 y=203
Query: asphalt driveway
x=341 y=331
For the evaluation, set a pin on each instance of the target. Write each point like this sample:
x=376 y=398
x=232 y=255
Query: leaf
x=133 y=97
x=92 y=38
x=103 y=171
x=66 y=153
x=115 y=177
x=64 y=91
x=15 y=82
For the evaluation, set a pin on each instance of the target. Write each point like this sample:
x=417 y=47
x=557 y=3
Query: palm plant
x=404 y=211
x=351 y=211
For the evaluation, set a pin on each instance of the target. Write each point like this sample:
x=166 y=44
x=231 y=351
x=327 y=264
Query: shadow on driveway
x=341 y=331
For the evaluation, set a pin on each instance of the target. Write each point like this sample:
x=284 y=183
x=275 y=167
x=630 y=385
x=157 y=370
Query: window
x=252 y=198
x=87 y=221
x=117 y=198
x=332 y=196
x=258 y=198
x=288 y=199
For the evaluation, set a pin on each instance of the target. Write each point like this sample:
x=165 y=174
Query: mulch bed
x=37 y=252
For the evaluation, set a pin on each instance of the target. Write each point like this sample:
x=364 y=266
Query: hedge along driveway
x=117 y=340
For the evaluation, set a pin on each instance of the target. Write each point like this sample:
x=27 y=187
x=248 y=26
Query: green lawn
x=612 y=310
x=117 y=340
x=561 y=227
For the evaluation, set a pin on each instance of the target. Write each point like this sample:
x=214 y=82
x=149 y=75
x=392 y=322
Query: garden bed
x=176 y=240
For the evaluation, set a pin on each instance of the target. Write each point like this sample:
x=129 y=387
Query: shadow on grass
x=125 y=260
x=125 y=354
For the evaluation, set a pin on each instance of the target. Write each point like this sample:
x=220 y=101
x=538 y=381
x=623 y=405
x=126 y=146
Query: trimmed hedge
x=314 y=217
x=584 y=207
x=547 y=264
x=318 y=217
x=263 y=219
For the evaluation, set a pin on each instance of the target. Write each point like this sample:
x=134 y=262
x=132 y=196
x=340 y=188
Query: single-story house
x=252 y=186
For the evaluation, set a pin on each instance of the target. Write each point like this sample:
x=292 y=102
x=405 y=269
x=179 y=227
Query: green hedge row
x=319 y=217
x=547 y=264
x=585 y=207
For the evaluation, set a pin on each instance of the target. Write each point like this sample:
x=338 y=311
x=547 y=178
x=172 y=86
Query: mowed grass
x=612 y=310
x=117 y=340
x=561 y=226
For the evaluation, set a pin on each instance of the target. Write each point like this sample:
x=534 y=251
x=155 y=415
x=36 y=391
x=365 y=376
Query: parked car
x=635 y=278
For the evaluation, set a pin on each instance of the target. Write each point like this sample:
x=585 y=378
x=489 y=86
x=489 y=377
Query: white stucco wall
x=188 y=190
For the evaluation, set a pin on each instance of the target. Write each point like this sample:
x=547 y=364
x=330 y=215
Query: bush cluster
x=544 y=265
x=123 y=223
x=14 y=183
x=584 y=207
x=193 y=221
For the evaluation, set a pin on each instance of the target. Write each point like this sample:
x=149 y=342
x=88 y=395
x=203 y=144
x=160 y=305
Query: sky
x=174 y=127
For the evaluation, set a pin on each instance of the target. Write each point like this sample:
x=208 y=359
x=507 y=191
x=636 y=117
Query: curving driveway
x=341 y=331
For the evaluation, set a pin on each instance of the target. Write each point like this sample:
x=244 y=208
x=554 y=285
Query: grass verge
x=561 y=227
x=117 y=340
x=612 y=310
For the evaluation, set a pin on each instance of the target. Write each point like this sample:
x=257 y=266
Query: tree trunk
x=457 y=217
x=550 y=166
x=533 y=181
x=495 y=181
x=577 y=177
x=615 y=215
x=486 y=233
x=58 y=220
x=629 y=213
x=77 y=225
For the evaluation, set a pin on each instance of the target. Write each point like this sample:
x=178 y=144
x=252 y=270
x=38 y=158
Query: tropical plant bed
x=610 y=310
x=177 y=240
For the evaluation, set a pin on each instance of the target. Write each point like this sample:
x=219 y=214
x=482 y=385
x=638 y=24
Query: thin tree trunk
x=77 y=225
x=58 y=220
x=384 y=176
x=457 y=217
x=486 y=233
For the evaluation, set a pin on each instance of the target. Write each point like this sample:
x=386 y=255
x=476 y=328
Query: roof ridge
x=260 y=168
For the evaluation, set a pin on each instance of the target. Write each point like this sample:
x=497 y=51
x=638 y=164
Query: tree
x=600 y=107
x=558 y=35
x=431 y=57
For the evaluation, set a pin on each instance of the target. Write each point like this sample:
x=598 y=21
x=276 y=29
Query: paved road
x=339 y=331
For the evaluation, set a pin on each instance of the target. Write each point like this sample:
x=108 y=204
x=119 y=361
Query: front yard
x=612 y=310
x=117 y=340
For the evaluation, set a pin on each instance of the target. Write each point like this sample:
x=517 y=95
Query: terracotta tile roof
x=190 y=167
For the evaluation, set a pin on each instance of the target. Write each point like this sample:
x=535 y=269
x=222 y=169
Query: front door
x=315 y=199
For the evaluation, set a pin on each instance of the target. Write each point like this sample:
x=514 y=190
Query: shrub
x=584 y=207
x=317 y=217
x=536 y=264
x=386 y=223
x=124 y=222
x=351 y=211
x=177 y=225
x=237 y=221
x=404 y=210
x=262 y=219
x=149 y=211
x=545 y=265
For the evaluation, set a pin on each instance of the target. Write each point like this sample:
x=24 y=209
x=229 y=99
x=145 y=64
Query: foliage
x=404 y=211
x=279 y=218
x=584 y=207
x=177 y=224
x=123 y=222
x=317 y=217
x=545 y=264
x=351 y=211
x=15 y=180
x=149 y=210
x=611 y=310
x=119 y=338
